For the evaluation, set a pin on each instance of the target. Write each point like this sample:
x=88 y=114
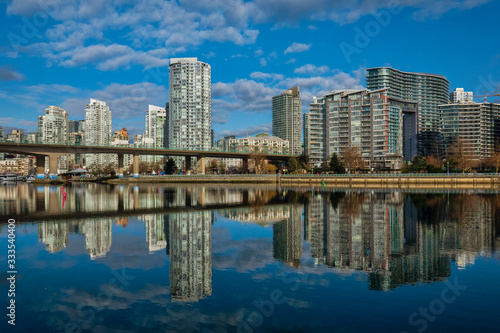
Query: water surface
x=235 y=258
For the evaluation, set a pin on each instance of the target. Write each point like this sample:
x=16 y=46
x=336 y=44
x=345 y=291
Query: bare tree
x=221 y=166
x=258 y=162
x=462 y=152
x=352 y=158
x=494 y=159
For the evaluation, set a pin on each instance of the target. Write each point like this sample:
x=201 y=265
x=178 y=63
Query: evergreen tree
x=170 y=167
x=335 y=164
x=418 y=164
x=292 y=165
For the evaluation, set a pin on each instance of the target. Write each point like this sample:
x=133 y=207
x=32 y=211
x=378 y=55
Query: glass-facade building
x=429 y=90
x=287 y=117
x=190 y=108
x=368 y=120
x=477 y=125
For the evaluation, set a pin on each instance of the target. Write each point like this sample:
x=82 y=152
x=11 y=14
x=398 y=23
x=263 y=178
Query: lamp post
x=349 y=167
x=448 y=167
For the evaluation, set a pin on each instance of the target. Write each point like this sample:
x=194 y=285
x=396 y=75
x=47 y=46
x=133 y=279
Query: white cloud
x=78 y=32
x=261 y=75
x=250 y=96
x=312 y=69
x=297 y=47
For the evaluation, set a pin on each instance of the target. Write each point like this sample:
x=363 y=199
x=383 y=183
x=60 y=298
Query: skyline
x=256 y=50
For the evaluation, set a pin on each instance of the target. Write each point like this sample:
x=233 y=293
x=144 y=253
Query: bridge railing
x=389 y=175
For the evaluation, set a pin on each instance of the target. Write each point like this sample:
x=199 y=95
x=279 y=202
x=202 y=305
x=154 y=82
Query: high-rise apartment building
x=190 y=105
x=156 y=125
x=459 y=95
x=287 y=118
x=429 y=90
x=53 y=126
x=98 y=131
x=369 y=120
x=53 y=129
x=155 y=132
x=476 y=125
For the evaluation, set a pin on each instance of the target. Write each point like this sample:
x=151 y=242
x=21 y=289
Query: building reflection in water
x=400 y=239
x=190 y=248
x=287 y=238
x=396 y=238
x=97 y=234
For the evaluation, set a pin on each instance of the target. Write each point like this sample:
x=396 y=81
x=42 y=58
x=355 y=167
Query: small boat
x=8 y=177
x=30 y=178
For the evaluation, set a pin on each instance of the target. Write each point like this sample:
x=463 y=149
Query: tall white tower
x=190 y=104
x=287 y=118
x=98 y=131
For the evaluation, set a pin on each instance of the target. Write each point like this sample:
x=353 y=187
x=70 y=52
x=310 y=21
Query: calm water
x=251 y=259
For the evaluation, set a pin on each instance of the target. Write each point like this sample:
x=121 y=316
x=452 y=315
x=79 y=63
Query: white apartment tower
x=53 y=126
x=155 y=125
x=287 y=118
x=98 y=131
x=53 y=129
x=156 y=130
x=459 y=96
x=190 y=106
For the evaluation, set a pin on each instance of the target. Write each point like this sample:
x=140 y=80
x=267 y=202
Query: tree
x=109 y=169
x=304 y=161
x=271 y=168
x=461 y=151
x=495 y=157
x=434 y=164
x=221 y=166
x=170 y=168
x=418 y=164
x=95 y=169
x=292 y=165
x=352 y=157
x=335 y=164
x=258 y=162
x=212 y=166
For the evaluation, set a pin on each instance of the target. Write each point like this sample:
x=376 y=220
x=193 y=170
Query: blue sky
x=64 y=52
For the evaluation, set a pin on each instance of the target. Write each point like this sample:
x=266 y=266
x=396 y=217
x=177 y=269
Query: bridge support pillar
x=53 y=165
x=120 y=165
x=136 y=166
x=244 y=166
x=40 y=166
x=200 y=165
x=188 y=163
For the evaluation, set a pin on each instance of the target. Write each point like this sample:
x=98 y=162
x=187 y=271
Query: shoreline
x=491 y=181
x=467 y=181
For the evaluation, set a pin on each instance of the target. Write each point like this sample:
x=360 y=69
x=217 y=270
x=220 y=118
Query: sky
x=64 y=52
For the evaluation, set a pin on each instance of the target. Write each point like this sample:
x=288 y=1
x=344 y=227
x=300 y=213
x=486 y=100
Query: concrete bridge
x=53 y=151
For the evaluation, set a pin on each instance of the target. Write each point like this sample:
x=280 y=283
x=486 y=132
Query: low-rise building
x=19 y=165
x=259 y=145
